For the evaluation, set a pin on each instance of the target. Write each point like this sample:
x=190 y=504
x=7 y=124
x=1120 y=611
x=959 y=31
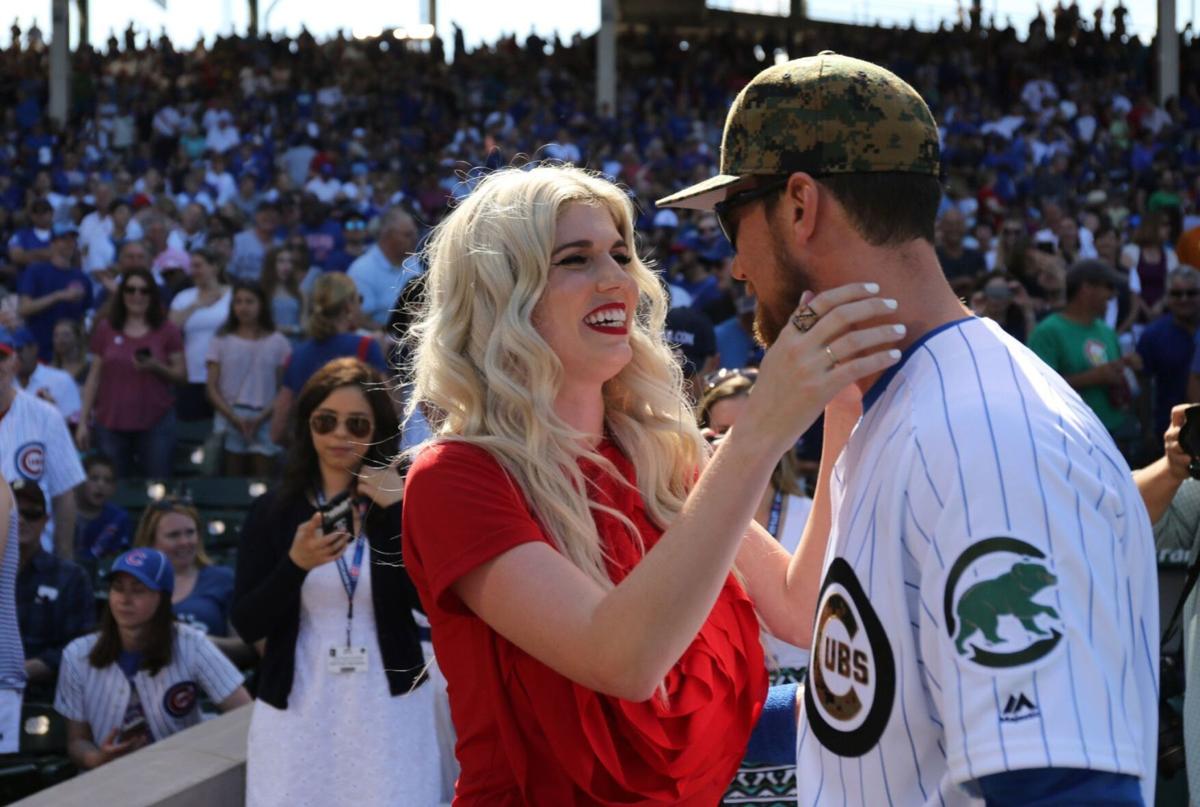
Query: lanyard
x=776 y=509
x=349 y=573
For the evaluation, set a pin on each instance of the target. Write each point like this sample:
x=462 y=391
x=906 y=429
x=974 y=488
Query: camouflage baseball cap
x=824 y=114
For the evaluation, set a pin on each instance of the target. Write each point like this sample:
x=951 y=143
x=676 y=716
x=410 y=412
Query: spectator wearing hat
x=386 y=267
x=35 y=444
x=54 y=595
x=52 y=385
x=137 y=361
x=251 y=244
x=1084 y=350
x=30 y=245
x=54 y=290
x=138 y=679
x=690 y=334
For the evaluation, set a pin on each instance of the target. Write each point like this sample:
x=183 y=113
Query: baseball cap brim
x=702 y=195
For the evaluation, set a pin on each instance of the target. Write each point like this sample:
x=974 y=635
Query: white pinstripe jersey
x=989 y=598
x=170 y=698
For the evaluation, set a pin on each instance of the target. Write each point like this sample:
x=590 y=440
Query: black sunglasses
x=359 y=426
x=31 y=514
x=722 y=209
x=131 y=290
x=1179 y=294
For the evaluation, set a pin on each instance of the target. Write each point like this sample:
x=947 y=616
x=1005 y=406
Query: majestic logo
x=852 y=683
x=1019 y=707
x=31 y=460
x=181 y=699
x=995 y=606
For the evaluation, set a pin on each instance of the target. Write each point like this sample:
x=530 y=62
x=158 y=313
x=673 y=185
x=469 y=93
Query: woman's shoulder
x=452 y=456
x=78 y=649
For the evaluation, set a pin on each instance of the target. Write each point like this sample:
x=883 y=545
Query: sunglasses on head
x=359 y=426
x=722 y=209
x=719 y=377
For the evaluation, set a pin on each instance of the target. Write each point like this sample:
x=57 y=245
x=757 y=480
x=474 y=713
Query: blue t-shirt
x=312 y=355
x=737 y=348
x=1166 y=350
x=28 y=239
x=107 y=534
x=40 y=279
x=207 y=607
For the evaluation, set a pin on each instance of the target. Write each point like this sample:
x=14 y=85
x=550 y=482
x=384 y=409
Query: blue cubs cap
x=149 y=566
x=8 y=342
x=22 y=337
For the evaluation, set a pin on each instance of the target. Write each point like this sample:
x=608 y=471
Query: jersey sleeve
x=461 y=510
x=68 y=696
x=214 y=672
x=63 y=469
x=1031 y=637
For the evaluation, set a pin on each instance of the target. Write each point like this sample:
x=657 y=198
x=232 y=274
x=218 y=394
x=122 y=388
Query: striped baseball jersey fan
x=989 y=595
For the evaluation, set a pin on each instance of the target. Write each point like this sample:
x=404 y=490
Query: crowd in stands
x=213 y=225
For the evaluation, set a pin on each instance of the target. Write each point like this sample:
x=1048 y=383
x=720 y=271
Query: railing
x=201 y=767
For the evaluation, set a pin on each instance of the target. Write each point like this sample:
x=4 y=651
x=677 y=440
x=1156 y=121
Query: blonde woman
x=568 y=535
x=334 y=312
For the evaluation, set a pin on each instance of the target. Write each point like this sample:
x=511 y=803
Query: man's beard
x=792 y=279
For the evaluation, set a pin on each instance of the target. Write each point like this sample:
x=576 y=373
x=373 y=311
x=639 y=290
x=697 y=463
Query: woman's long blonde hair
x=484 y=376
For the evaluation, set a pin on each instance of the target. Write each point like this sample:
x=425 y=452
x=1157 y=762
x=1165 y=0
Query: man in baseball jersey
x=986 y=627
x=35 y=445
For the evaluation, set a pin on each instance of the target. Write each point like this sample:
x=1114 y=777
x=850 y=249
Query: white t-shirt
x=249 y=367
x=170 y=698
x=199 y=329
x=989 y=599
x=58 y=384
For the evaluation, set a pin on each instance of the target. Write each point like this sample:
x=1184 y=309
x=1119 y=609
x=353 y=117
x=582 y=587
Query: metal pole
x=82 y=7
x=252 y=28
x=60 y=61
x=1168 y=51
x=606 y=58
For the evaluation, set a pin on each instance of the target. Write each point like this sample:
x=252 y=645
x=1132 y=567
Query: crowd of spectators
x=213 y=225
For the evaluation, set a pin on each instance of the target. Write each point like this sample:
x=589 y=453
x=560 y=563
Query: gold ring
x=832 y=357
x=805 y=319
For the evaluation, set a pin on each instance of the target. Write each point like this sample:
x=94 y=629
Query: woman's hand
x=247 y=426
x=312 y=548
x=1177 y=459
x=384 y=486
x=804 y=371
x=111 y=748
x=83 y=436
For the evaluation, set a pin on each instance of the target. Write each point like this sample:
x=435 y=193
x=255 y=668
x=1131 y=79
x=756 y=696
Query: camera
x=337 y=514
x=1189 y=438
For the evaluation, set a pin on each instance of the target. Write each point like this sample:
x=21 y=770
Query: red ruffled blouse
x=526 y=734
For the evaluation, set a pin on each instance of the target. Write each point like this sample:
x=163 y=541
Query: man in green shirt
x=1084 y=350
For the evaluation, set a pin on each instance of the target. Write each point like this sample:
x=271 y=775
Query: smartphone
x=133 y=728
x=1189 y=433
x=337 y=514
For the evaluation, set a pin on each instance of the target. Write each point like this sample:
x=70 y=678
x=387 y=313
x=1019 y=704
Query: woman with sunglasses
x=137 y=361
x=203 y=591
x=570 y=537
x=344 y=714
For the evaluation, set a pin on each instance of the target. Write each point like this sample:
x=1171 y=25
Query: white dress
x=343 y=739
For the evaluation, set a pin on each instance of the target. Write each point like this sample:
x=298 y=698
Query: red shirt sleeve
x=461 y=510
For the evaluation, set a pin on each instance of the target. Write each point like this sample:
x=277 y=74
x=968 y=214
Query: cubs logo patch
x=31 y=460
x=181 y=699
x=996 y=604
x=852 y=673
x=136 y=557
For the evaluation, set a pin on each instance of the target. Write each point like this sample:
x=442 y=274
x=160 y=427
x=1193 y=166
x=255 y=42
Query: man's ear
x=801 y=197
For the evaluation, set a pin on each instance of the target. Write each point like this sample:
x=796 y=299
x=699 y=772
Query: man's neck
x=1078 y=314
x=27 y=551
x=23 y=376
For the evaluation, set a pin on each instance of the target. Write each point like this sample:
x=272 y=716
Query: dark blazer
x=266 y=595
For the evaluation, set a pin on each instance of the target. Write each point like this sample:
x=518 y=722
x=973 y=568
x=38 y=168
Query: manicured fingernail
x=890 y=303
x=872 y=288
x=895 y=354
x=900 y=329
